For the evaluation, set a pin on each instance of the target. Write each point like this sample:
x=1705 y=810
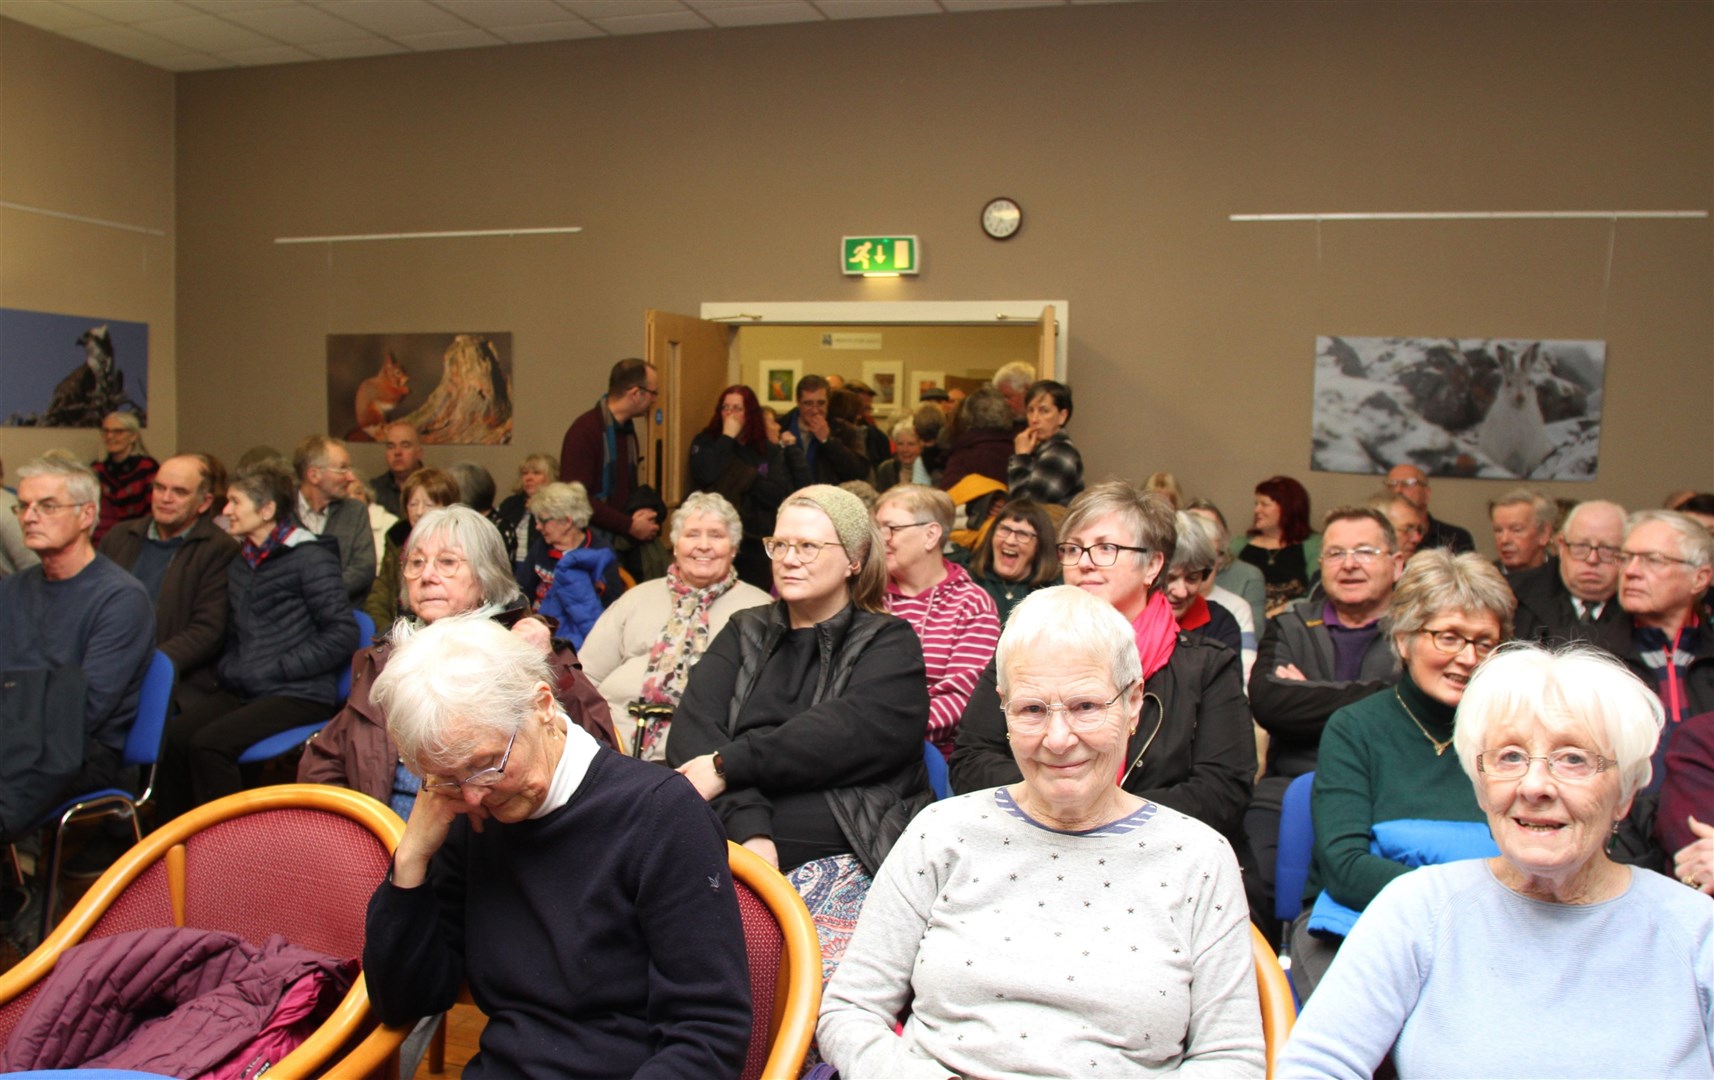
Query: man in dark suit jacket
x=1411 y=483
x=1573 y=598
x=181 y=558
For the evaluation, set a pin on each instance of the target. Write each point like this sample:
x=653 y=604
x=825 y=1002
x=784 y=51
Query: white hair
x=475 y=537
x=1573 y=688
x=706 y=502
x=446 y=683
x=1017 y=375
x=1069 y=624
x=557 y=501
x=80 y=481
x=1694 y=543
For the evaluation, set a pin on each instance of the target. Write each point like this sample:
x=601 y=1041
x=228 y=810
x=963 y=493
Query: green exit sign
x=889 y=255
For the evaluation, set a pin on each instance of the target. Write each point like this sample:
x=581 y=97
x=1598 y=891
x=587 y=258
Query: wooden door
x=1047 y=345
x=691 y=356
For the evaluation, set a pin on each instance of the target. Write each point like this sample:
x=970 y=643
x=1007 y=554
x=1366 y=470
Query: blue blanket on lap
x=1414 y=842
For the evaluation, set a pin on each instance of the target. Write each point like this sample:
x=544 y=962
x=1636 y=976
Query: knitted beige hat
x=849 y=516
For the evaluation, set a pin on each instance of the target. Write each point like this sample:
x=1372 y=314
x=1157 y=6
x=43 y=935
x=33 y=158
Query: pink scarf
x=1157 y=633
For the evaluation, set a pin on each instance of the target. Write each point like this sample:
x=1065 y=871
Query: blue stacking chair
x=1291 y=862
x=938 y=778
x=285 y=742
x=142 y=748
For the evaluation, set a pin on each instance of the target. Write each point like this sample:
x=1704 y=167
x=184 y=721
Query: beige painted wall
x=953 y=350
x=88 y=133
x=717 y=164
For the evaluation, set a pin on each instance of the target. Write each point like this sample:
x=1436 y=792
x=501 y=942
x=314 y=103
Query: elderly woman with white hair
x=453 y=563
x=642 y=649
x=582 y=896
x=1020 y=926
x=1549 y=959
x=571 y=574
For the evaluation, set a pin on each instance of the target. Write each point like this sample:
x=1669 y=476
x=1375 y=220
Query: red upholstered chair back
x=785 y=967
x=766 y=947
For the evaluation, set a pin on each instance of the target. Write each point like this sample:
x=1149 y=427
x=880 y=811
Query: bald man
x=1411 y=483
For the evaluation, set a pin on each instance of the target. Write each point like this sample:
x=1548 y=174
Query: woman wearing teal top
x=1388 y=797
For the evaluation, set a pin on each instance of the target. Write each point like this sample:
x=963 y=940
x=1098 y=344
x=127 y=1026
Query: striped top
x=959 y=630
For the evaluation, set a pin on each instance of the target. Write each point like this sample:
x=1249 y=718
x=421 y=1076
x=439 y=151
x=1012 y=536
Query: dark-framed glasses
x=894 y=530
x=1603 y=554
x=1017 y=536
x=779 y=547
x=1406 y=484
x=1452 y=643
x=487 y=778
x=1028 y=716
x=1099 y=554
x=1364 y=555
x=1571 y=763
x=445 y=564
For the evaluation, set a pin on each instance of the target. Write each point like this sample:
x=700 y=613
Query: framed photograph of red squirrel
x=456 y=388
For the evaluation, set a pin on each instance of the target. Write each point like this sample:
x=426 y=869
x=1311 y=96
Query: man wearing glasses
x=1575 y=598
x=601 y=451
x=323 y=468
x=76 y=635
x=1412 y=483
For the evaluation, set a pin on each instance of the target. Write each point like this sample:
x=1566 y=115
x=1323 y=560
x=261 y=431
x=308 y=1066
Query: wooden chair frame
x=350 y=1020
x=1279 y=1009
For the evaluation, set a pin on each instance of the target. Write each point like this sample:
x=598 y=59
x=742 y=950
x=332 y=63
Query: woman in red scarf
x=1192 y=750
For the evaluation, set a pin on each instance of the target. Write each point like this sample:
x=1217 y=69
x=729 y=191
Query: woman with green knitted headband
x=803 y=724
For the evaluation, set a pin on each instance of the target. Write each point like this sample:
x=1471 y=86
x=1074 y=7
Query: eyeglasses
x=1364 y=555
x=1021 y=536
x=1029 y=716
x=445 y=564
x=332 y=468
x=1605 y=555
x=1654 y=560
x=650 y=390
x=115 y=431
x=1452 y=644
x=894 y=530
x=777 y=548
x=487 y=778
x=1188 y=577
x=45 y=507
x=1407 y=483
x=1513 y=762
x=1099 y=554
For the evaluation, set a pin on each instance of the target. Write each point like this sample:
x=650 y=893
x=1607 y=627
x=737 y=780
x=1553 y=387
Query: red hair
x=755 y=432
x=1294 y=507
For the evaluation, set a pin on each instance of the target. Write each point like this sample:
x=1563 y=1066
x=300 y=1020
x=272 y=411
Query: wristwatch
x=719 y=765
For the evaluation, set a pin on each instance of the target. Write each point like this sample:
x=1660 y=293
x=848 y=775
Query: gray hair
x=551 y=502
x=80 y=481
x=1573 y=687
x=1576 y=512
x=706 y=502
x=1435 y=580
x=1545 y=510
x=1694 y=544
x=1195 y=548
x=1068 y=624
x=311 y=453
x=1148 y=516
x=465 y=530
x=1017 y=375
x=131 y=422
x=923 y=503
x=268 y=481
x=447 y=683
x=985 y=410
x=904 y=424
x=475 y=484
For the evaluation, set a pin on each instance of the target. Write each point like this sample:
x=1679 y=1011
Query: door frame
x=899 y=313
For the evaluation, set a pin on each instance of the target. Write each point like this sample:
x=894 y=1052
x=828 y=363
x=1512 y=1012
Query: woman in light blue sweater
x=1549 y=959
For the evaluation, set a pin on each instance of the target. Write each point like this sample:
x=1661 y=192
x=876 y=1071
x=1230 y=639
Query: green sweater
x=1376 y=765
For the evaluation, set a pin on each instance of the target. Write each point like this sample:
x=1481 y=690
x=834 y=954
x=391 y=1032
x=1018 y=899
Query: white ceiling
x=199 y=35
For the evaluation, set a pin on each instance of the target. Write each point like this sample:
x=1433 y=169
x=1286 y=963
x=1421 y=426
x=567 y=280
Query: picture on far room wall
x=1494 y=408
x=68 y=371
x=456 y=388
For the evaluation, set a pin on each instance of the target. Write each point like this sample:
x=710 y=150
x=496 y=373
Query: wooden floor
x=464 y=1026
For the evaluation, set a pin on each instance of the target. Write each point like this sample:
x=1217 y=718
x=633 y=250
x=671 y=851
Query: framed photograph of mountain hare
x=456 y=388
x=1495 y=408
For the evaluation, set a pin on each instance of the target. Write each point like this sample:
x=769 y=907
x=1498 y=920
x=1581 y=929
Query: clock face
x=1002 y=218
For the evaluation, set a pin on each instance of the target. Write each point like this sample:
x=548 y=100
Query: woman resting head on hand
x=1058 y=926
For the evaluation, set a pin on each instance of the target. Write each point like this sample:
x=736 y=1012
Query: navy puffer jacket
x=290 y=624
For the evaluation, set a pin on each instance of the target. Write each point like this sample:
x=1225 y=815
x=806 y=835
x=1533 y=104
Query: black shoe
x=95 y=857
x=21 y=916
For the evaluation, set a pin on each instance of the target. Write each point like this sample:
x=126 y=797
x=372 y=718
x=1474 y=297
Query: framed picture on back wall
x=777 y=382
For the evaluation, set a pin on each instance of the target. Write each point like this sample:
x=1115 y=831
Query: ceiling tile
x=607 y=9
x=466 y=38
x=759 y=14
x=875 y=9
x=271 y=54
x=991 y=5
x=191 y=62
x=129 y=11
x=205 y=33
x=295 y=25
x=352 y=48
x=50 y=15
x=228 y=7
x=489 y=14
x=683 y=19
x=122 y=40
x=393 y=18
x=558 y=31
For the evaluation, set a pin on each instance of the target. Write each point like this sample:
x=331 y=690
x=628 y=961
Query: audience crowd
x=1120 y=690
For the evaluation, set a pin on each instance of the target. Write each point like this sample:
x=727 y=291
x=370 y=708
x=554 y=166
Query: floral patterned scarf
x=685 y=637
